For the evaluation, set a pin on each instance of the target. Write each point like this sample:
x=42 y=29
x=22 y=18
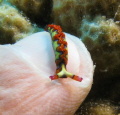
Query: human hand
x=25 y=86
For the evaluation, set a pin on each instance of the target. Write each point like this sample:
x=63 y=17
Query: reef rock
x=102 y=107
x=13 y=25
x=69 y=13
x=102 y=38
x=117 y=15
x=38 y=11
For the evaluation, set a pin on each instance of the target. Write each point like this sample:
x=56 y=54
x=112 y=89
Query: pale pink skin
x=25 y=87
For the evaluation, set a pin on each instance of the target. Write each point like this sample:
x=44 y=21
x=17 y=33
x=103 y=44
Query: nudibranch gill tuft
x=59 y=44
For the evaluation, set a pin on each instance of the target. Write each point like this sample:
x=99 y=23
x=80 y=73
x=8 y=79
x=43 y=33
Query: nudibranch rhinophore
x=59 y=44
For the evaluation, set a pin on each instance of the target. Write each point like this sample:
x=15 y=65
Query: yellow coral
x=13 y=25
x=102 y=107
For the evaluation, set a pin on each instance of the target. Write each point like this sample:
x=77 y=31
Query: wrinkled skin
x=25 y=87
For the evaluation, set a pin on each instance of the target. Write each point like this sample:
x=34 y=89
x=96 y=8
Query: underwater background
x=95 y=22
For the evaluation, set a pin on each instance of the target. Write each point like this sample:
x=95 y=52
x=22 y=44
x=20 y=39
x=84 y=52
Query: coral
x=37 y=10
x=117 y=14
x=13 y=25
x=102 y=107
x=70 y=22
x=102 y=38
x=76 y=10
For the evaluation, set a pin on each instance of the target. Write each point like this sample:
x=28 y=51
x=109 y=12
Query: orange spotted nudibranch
x=59 y=44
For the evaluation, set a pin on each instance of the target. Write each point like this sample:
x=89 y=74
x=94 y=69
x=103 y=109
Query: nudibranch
x=59 y=44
